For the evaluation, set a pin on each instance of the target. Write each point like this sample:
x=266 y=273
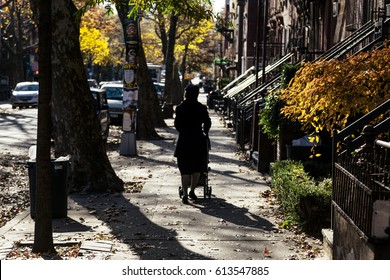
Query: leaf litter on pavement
x=14 y=188
x=14 y=198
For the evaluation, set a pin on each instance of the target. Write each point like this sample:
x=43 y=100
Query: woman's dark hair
x=192 y=91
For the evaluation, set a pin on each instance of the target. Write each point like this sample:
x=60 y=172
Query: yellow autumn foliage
x=93 y=45
x=101 y=37
x=326 y=95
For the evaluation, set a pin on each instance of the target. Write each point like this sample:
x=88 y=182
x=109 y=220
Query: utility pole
x=128 y=146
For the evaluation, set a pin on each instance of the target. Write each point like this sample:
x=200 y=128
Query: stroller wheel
x=207 y=191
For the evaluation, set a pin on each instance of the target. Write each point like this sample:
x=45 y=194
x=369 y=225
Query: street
x=18 y=129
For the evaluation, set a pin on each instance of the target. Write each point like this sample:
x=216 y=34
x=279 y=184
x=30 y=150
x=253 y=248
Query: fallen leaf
x=266 y=251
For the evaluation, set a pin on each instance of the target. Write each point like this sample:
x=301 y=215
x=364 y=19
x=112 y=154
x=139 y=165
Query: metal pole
x=382 y=144
x=257 y=44
x=264 y=39
x=241 y=4
x=128 y=145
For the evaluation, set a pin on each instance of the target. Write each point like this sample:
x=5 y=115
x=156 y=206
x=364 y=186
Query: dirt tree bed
x=14 y=186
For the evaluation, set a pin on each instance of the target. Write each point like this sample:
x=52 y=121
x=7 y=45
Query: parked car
x=25 y=94
x=102 y=110
x=93 y=83
x=114 y=92
x=109 y=82
x=160 y=87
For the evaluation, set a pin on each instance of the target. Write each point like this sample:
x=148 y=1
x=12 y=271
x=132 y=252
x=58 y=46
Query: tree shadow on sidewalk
x=230 y=213
x=133 y=225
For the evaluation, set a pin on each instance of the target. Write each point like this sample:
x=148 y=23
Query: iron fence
x=361 y=178
x=361 y=169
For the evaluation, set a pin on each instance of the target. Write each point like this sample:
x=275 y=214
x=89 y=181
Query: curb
x=12 y=223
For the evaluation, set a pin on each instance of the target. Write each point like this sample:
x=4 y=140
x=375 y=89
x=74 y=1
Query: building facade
x=307 y=28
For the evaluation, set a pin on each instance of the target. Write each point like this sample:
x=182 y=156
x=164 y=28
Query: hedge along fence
x=304 y=201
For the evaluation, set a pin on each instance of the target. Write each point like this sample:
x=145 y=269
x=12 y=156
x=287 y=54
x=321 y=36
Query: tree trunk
x=19 y=74
x=171 y=90
x=148 y=102
x=173 y=86
x=14 y=44
x=43 y=234
x=76 y=129
x=184 y=60
x=164 y=36
x=178 y=85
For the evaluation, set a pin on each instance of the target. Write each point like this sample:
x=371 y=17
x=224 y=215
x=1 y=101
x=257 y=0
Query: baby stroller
x=204 y=177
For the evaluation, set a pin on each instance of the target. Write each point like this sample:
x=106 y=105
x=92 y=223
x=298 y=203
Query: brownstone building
x=307 y=28
x=270 y=33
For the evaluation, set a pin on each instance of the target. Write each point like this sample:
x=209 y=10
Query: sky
x=218 y=4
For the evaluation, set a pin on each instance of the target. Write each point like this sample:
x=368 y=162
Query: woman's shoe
x=185 y=199
x=192 y=195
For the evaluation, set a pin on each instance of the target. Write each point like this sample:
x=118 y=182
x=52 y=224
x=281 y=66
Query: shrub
x=318 y=169
x=270 y=118
x=329 y=94
x=303 y=200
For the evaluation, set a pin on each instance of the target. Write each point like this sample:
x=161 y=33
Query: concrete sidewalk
x=236 y=223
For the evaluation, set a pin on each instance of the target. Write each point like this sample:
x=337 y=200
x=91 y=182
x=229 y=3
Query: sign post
x=128 y=145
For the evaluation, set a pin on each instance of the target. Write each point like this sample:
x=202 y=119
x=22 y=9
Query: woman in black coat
x=193 y=123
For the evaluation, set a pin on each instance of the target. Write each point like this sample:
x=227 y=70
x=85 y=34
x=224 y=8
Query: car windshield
x=114 y=93
x=27 y=88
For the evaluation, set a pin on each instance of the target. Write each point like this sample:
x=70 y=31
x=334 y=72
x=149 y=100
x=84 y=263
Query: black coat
x=193 y=123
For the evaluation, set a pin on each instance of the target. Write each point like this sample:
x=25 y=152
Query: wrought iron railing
x=361 y=169
x=356 y=42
